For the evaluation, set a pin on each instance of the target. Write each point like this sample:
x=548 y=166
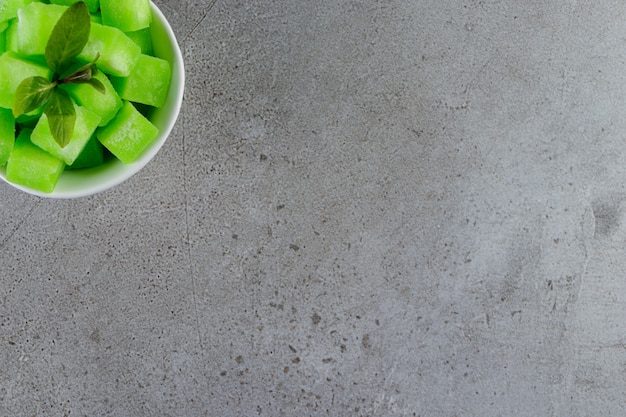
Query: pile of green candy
x=110 y=99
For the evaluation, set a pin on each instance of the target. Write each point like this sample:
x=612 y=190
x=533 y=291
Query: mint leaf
x=68 y=38
x=31 y=94
x=61 y=116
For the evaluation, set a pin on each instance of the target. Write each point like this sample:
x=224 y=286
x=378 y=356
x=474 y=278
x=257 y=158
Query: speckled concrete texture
x=367 y=208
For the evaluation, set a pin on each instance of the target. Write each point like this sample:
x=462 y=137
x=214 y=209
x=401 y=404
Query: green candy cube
x=128 y=134
x=13 y=70
x=105 y=105
x=118 y=53
x=91 y=156
x=34 y=26
x=9 y=8
x=32 y=167
x=7 y=134
x=86 y=123
x=127 y=15
x=92 y=5
x=143 y=38
x=148 y=83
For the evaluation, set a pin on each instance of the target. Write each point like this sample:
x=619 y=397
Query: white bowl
x=85 y=182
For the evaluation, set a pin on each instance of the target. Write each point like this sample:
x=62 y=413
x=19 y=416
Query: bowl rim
x=105 y=180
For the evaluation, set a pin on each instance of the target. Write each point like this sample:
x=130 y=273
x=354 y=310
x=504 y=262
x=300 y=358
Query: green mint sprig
x=69 y=37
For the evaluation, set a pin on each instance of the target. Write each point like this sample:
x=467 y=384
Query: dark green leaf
x=31 y=94
x=68 y=38
x=97 y=85
x=61 y=116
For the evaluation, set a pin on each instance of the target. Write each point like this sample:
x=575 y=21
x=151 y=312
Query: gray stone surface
x=367 y=208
